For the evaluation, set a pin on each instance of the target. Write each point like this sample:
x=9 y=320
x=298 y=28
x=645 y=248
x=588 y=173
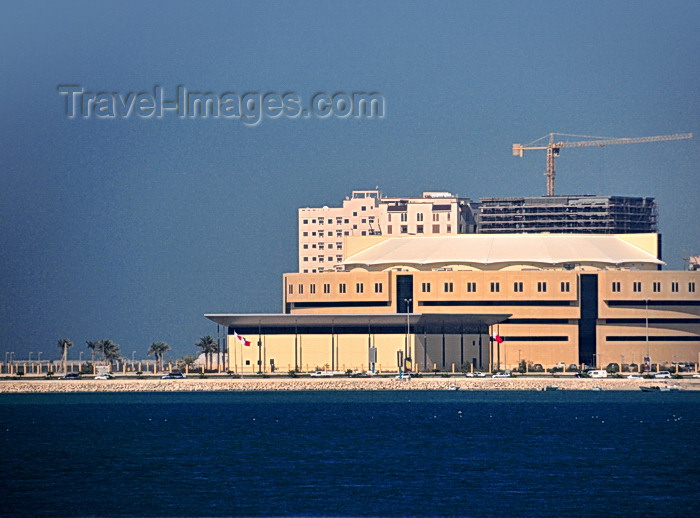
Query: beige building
x=366 y=213
x=434 y=303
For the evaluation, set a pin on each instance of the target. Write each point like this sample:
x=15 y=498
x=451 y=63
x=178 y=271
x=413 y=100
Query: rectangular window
x=341 y=287
x=339 y=246
x=320 y=258
x=301 y=289
x=359 y=288
x=404 y=216
x=404 y=229
x=518 y=287
x=330 y=246
x=616 y=287
x=347 y=221
x=449 y=229
x=419 y=229
x=674 y=287
x=321 y=246
x=495 y=287
x=436 y=229
x=691 y=287
x=305 y=234
x=656 y=287
x=378 y=287
x=449 y=287
x=425 y=287
x=541 y=287
x=326 y=288
x=637 y=287
x=565 y=286
x=312 y=288
x=436 y=216
x=419 y=216
x=388 y=229
x=471 y=287
x=291 y=289
x=306 y=222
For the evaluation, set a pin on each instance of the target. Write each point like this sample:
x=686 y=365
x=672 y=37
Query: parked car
x=173 y=376
x=634 y=377
x=70 y=376
x=321 y=374
x=105 y=376
x=663 y=374
x=475 y=374
x=537 y=368
x=502 y=375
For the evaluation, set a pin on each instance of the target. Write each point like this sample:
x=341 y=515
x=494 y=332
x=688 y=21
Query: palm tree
x=93 y=346
x=158 y=349
x=110 y=351
x=209 y=347
x=64 y=344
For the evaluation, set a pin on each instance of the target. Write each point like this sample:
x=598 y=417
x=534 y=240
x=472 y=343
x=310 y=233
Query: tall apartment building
x=568 y=214
x=367 y=213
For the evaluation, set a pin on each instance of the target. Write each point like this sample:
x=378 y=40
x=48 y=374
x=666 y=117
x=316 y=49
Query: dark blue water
x=350 y=453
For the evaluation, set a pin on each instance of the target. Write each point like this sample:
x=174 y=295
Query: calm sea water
x=350 y=453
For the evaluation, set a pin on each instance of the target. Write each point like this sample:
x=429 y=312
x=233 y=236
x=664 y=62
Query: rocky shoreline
x=336 y=383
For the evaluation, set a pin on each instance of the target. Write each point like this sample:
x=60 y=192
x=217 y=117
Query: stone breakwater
x=336 y=383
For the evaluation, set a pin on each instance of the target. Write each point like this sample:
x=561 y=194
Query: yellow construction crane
x=553 y=146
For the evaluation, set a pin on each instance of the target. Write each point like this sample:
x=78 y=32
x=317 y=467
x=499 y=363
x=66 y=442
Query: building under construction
x=568 y=214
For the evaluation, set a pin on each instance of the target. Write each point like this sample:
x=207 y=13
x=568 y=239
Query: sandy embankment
x=336 y=383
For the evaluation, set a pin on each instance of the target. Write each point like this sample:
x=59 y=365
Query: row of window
x=322 y=258
x=321 y=246
x=495 y=287
x=338 y=220
x=656 y=287
x=403 y=216
x=420 y=229
x=342 y=288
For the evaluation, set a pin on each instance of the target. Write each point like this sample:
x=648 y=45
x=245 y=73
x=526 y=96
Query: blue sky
x=131 y=228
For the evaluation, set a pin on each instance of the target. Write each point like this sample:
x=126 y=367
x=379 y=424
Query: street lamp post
x=406 y=354
x=647 y=360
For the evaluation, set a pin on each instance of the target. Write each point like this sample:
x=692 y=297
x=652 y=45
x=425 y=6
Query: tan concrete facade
x=596 y=317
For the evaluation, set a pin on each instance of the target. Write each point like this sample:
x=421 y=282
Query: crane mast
x=553 y=146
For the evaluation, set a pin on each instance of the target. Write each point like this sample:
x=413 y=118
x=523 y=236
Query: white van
x=598 y=374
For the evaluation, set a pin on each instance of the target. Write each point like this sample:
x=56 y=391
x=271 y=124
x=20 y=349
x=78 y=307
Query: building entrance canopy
x=354 y=323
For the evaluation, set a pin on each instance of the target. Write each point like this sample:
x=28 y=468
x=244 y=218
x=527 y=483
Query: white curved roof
x=488 y=249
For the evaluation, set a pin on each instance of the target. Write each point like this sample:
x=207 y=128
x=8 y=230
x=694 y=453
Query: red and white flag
x=242 y=339
x=498 y=338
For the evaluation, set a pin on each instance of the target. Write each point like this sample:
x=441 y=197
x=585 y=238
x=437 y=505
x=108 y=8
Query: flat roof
x=428 y=322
